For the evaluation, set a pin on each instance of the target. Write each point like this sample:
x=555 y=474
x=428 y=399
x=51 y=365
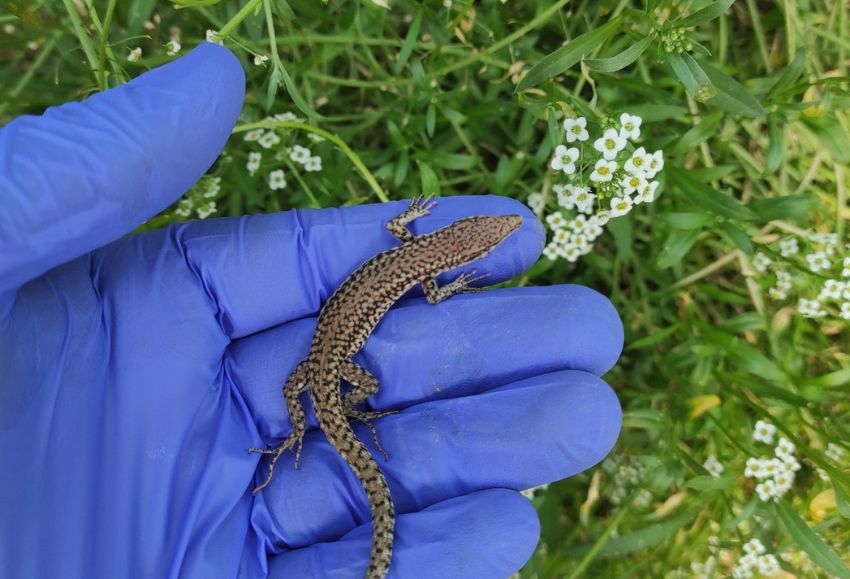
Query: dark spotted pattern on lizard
x=345 y=323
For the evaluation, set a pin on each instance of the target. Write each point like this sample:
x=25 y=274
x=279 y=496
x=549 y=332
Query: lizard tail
x=339 y=433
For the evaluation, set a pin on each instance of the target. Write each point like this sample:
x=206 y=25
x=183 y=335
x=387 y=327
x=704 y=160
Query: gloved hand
x=137 y=371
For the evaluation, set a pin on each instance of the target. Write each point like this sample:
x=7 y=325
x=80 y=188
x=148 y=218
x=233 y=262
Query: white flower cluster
x=833 y=297
x=626 y=472
x=269 y=139
x=200 y=198
x=834 y=453
x=776 y=474
x=755 y=559
x=611 y=171
x=713 y=466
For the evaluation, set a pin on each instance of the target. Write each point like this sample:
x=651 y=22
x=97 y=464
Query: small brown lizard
x=345 y=323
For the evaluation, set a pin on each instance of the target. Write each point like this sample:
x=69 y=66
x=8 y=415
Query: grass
x=748 y=101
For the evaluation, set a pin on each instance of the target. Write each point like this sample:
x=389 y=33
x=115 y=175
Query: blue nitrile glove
x=137 y=371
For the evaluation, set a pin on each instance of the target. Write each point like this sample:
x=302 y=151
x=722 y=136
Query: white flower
x=755 y=468
x=213 y=185
x=564 y=159
x=212 y=36
x=576 y=129
x=630 y=126
x=761 y=261
x=656 y=163
x=609 y=144
x=638 y=163
x=135 y=55
x=277 y=180
x=603 y=171
x=254 y=162
x=565 y=195
x=632 y=182
x=253 y=135
x=646 y=193
x=810 y=308
x=832 y=290
x=561 y=237
x=620 y=206
x=713 y=466
x=556 y=220
x=551 y=251
x=535 y=202
x=818 y=261
x=184 y=208
x=570 y=253
x=583 y=199
x=789 y=464
x=754 y=547
x=260 y=59
x=206 y=210
x=766 y=490
x=314 y=163
x=287 y=116
x=764 y=432
x=172 y=47
x=845 y=272
x=314 y=137
x=845 y=311
x=300 y=154
x=767 y=565
x=789 y=246
x=268 y=140
x=578 y=223
x=601 y=218
x=784 y=447
x=834 y=452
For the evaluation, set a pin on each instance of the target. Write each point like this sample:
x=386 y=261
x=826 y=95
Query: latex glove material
x=136 y=375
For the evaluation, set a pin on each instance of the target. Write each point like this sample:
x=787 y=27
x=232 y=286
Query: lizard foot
x=462 y=283
x=367 y=418
x=294 y=439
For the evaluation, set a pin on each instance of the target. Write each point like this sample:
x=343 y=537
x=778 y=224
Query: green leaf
x=789 y=75
x=710 y=483
x=730 y=95
x=738 y=237
x=409 y=42
x=284 y=10
x=140 y=10
x=401 y=168
x=654 y=113
x=676 y=247
x=653 y=338
x=454 y=162
x=684 y=220
x=710 y=12
x=709 y=198
x=430 y=119
x=842 y=500
x=810 y=542
x=775 y=147
x=430 y=181
x=568 y=55
x=621 y=60
x=831 y=380
x=831 y=133
x=294 y=94
x=785 y=207
x=639 y=540
x=684 y=74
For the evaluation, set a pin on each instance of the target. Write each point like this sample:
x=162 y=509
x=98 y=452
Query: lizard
x=344 y=324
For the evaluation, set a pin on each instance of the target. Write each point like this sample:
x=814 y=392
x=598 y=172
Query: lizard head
x=474 y=237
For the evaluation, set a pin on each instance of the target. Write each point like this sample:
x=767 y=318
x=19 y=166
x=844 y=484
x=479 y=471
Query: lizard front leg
x=435 y=294
x=419 y=207
x=364 y=385
x=292 y=389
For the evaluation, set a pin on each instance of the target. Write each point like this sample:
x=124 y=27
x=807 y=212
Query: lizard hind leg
x=295 y=385
x=365 y=384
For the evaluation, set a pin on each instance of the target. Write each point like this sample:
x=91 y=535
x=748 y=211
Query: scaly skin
x=346 y=322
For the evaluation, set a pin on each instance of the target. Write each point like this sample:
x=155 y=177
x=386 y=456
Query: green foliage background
x=747 y=99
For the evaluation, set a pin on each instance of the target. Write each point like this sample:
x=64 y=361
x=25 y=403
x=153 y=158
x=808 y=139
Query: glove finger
x=517 y=436
x=489 y=533
x=423 y=352
x=264 y=270
x=83 y=174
